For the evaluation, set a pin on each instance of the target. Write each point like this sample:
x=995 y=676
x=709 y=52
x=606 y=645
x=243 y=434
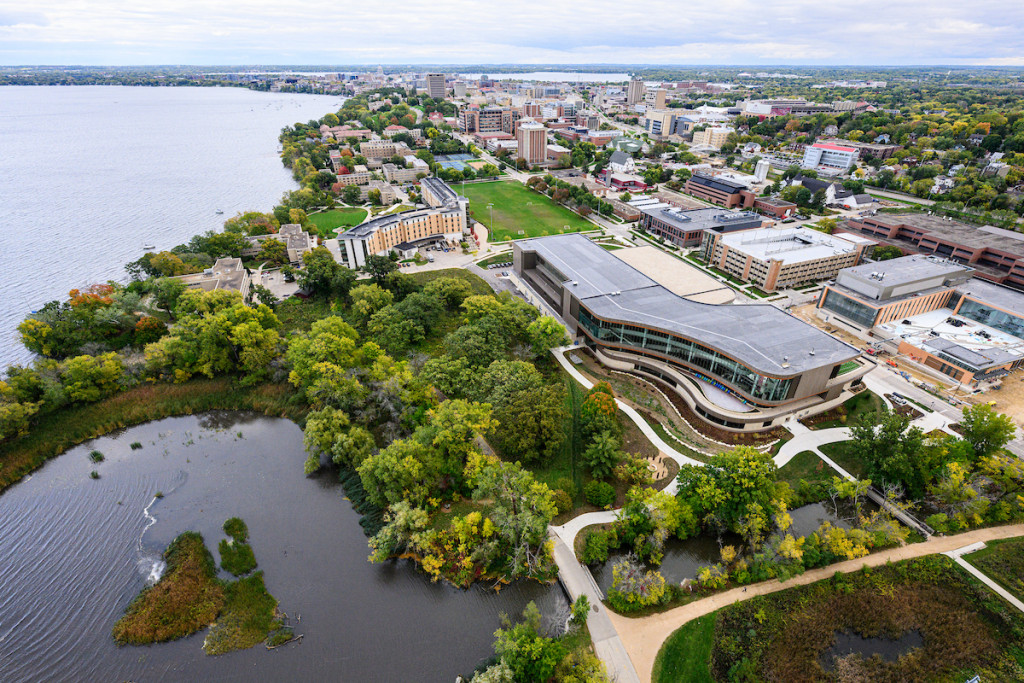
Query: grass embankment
x=965 y=630
x=505 y=257
x=329 y=222
x=845 y=454
x=808 y=476
x=686 y=655
x=518 y=211
x=478 y=284
x=58 y=431
x=187 y=598
x=236 y=555
x=1003 y=561
x=848 y=413
x=190 y=597
x=247 y=618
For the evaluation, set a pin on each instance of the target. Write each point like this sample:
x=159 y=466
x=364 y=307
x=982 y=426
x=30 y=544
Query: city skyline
x=655 y=32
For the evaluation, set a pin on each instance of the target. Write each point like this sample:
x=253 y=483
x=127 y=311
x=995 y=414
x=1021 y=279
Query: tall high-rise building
x=635 y=92
x=460 y=88
x=435 y=86
x=532 y=138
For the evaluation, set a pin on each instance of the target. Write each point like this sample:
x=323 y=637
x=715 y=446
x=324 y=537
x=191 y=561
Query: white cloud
x=527 y=31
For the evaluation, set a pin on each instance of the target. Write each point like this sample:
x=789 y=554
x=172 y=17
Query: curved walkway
x=637 y=419
x=643 y=637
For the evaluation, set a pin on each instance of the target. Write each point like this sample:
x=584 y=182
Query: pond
x=889 y=649
x=684 y=558
x=75 y=551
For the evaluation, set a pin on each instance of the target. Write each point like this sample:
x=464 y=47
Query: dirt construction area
x=1008 y=397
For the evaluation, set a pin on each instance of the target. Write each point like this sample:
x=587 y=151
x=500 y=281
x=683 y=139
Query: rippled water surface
x=89 y=174
x=74 y=552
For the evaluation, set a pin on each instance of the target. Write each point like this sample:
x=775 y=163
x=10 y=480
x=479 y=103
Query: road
x=643 y=637
x=899 y=196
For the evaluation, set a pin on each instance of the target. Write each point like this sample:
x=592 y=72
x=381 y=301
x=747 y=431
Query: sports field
x=518 y=211
x=329 y=221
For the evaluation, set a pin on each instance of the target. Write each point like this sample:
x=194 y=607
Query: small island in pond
x=189 y=597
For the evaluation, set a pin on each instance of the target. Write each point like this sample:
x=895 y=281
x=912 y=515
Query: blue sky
x=983 y=32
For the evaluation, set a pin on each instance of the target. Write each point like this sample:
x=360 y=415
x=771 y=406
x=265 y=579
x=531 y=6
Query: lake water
x=555 y=76
x=74 y=552
x=90 y=174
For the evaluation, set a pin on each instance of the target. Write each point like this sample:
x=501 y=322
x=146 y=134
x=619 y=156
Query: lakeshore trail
x=643 y=637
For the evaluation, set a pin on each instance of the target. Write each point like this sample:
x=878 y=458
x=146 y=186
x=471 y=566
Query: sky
x=740 y=32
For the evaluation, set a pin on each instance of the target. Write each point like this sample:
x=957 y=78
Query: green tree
x=452 y=291
x=602 y=455
x=323 y=276
x=367 y=300
x=87 y=379
x=378 y=267
x=545 y=333
x=273 y=250
x=528 y=655
x=986 y=430
x=890 y=447
x=532 y=424
x=351 y=194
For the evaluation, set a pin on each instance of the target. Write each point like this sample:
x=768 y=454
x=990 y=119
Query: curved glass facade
x=688 y=354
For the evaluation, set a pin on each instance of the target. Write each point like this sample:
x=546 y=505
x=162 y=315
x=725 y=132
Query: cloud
x=15 y=18
x=527 y=31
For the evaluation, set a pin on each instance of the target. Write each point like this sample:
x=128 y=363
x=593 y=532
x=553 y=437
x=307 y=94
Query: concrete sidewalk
x=577 y=581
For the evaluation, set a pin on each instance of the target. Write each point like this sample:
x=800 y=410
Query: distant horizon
x=539 y=67
x=944 y=33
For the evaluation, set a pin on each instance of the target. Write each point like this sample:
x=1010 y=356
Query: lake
x=75 y=551
x=89 y=174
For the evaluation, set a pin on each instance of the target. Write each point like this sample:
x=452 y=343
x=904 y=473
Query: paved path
x=637 y=419
x=643 y=637
x=578 y=580
x=957 y=556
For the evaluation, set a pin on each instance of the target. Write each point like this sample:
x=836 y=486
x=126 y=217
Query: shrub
x=236 y=529
x=563 y=502
x=580 y=610
x=599 y=493
x=633 y=588
x=939 y=522
x=595 y=547
x=96 y=456
x=236 y=557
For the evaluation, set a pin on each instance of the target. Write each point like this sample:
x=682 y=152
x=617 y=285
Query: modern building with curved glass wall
x=744 y=367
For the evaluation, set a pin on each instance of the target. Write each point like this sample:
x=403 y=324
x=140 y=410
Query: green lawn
x=1003 y=562
x=845 y=455
x=686 y=655
x=478 y=284
x=328 y=222
x=505 y=257
x=805 y=465
x=857 y=407
x=518 y=211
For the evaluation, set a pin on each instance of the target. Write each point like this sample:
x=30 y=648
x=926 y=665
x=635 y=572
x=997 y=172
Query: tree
x=545 y=333
x=400 y=472
x=351 y=194
x=986 y=430
x=378 y=267
x=367 y=300
x=528 y=655
x=329 y=431
x=886 y=252
x=393 y=331
x=890 y=447
x=374 y=196
x=323 y=276
x=87 y=379
x=273 y=250
x=532 y=424
x=602 y=455
x=452 y=291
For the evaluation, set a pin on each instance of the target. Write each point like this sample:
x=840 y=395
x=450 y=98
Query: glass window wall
x=689 y=354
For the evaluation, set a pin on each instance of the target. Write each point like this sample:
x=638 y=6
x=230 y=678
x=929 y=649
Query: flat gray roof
x=691 y=220
x=760 y=336
x=975 y=237
x=907 y=269
x=997 y=295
